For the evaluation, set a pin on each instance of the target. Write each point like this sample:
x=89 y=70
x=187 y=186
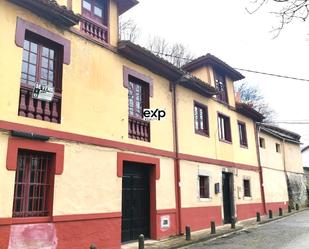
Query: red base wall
x=166 y=232
x=199 y=218
x=4 y=236
x=247 y=211
x=274 y=206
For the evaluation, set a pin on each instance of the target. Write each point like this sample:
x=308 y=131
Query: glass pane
x=45 y=52
x=25 y=55
x=25 y=67
x=32 y=70
x=98 y=11
x=34 y=47
x=43 y=82
x=51 y=76
x=31 y=78
x=86 y=5
x=51 y=64
x=44 y=62
x=44 y=73
x=26 y=45
x=33 y=58
x=51 y=54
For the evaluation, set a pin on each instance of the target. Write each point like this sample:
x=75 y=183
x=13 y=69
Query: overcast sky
x=225 y=29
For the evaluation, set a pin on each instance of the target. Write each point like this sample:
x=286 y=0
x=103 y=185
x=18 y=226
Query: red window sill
x=28 y=220
x=202 y=133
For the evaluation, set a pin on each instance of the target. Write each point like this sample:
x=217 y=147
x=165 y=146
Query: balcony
x=38 y=109
x=94 y=30
x=139 y=129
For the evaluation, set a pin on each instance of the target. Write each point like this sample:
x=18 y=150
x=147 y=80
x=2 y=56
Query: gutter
x=260 y=167
x=176 y=162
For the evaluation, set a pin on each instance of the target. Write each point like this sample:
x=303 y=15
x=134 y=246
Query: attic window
x=221 y=87
x=278 y=148
x=262 y=142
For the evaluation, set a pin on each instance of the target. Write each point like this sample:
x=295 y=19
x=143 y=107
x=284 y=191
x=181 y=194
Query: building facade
x=283 y=175
x=78 y=163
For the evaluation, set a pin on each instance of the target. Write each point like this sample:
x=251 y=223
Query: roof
x=249 y=111
x=125 y=5
x=144 y=57
x=50 y=10
x=212 y=60
x=280 y=133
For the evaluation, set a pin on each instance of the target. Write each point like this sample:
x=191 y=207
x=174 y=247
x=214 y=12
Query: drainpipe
x=260 y=166
x=285 y=171
x=176 y=162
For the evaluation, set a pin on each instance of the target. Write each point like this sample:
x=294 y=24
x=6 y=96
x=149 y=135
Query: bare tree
x=286 y=10
x=176 y=53
x=252 y=96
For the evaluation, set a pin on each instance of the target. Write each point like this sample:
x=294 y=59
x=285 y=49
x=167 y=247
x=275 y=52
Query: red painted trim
x=217 y=162
x=274 y=206
x=5 y=125
x=149 y=161
x=128 y=71
x=14 y=144
x=154 y=175
x=199 y=218
x=167 y=211
x=22 y=26
x=60 y=218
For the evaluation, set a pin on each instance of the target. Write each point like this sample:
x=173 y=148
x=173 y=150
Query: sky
x=226 y=29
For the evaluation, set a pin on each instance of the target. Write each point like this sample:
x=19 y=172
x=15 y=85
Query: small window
x=247 y=190
x=224 y=128
x=204 y=186
x=262 y=142
x=33 y=181
x=201 y=119
x=220 y=84
x=278 y=148
x=242 y=134
x=96 y=10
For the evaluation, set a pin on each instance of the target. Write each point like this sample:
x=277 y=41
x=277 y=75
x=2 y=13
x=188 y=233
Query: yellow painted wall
x=275 y=187
x=269 y=157
x=211 y=146
x=189 y=184
x=94 y=102
x=89 y=183
x=293 y=157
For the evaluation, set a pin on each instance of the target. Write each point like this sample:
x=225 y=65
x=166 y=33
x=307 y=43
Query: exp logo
x=153 y=114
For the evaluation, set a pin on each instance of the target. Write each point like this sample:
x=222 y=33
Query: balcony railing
x=139 y=129
x=38 y=109
x=95 y=30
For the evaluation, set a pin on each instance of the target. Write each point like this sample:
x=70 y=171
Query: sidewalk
x=204 y=235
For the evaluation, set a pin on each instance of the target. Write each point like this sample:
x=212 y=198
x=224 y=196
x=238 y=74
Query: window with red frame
x=138 y=97
x=41 y=62
x=242 y=134
x=224 y=128
x=95 y=10
x=204 y=186
x=33 y=182
x=201 y=119
x=220 y=84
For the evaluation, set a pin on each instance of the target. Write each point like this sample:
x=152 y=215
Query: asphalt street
x=288 y=233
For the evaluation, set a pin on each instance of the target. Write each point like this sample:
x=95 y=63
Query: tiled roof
x=249 y=111
x=280 y=132
x=50 y=10
x=212 y=60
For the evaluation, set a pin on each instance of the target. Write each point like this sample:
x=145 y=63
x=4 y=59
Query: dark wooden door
x=135 y=201
x=228 y=196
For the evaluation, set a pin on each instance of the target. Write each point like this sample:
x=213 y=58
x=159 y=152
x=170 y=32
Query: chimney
x=69 y=4
x=237 y=97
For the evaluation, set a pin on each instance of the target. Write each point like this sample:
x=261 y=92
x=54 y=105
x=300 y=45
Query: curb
x=281 y=217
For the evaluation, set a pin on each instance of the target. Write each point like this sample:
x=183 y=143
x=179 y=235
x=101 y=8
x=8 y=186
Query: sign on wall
x=42 y=92
x=165 y=222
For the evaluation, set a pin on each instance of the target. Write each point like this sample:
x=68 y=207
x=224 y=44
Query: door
x=228 y=197
x=135 y=201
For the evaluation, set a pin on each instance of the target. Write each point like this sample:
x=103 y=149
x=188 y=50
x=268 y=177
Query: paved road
x=288 y=233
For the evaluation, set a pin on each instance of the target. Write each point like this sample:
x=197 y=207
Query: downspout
x=176 y=160
x=285 y=171
x=260 y=166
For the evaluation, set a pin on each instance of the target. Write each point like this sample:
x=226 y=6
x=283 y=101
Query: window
x=220 y=84
x=224 y=128
x=242 y=134
x=41 y=63
x=247 y=190
x=95 y=10
x=262 y=142
x=138 y=94
x=201 y=119
x=278 y=148
x=33 y=180
x=204 y=186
